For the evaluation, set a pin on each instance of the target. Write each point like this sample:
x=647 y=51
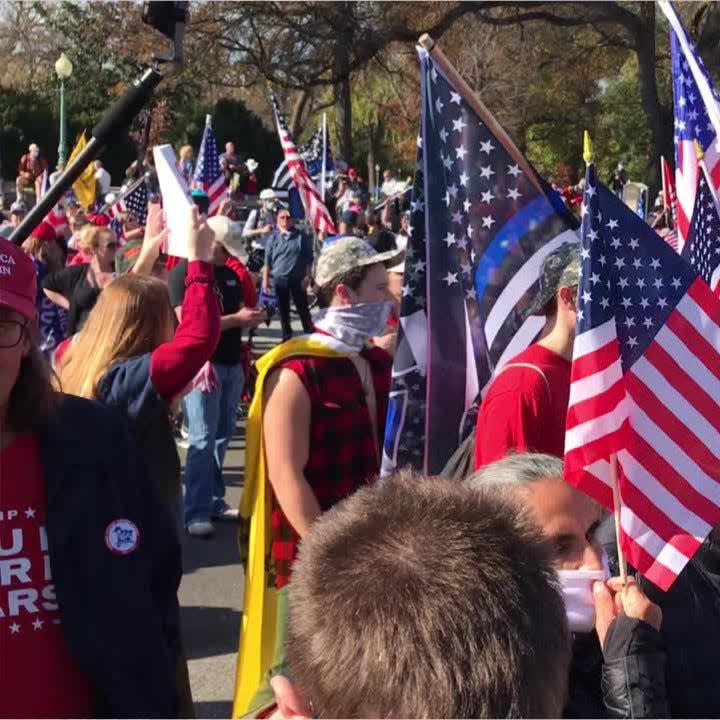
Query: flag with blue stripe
x=482 y=222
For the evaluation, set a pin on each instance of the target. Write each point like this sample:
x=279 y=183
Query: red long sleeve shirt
x=174 y=364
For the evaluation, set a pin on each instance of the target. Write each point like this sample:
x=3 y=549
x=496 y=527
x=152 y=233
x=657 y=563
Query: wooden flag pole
x=428 y=44
x=616 y=510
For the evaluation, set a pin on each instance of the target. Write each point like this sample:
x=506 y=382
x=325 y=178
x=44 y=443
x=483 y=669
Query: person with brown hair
x=130 y=356
x=52 y=319
x=417 y=597
x=90 y=622
x=77 y=288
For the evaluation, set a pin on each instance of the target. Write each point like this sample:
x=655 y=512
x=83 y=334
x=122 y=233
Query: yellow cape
x=257 y=628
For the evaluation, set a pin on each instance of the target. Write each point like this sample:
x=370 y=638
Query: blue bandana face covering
x=354 y=325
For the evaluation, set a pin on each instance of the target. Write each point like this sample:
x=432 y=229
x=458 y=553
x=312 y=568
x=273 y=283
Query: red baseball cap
x=18 y=280
x=45 y=231
x=352 y=173
x=100 y=219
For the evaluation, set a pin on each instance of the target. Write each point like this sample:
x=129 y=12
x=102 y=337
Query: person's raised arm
x=174 y=364
x=286 y=420
x=154 y=235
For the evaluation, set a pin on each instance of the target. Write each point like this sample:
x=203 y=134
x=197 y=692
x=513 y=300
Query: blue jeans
x=211 y=419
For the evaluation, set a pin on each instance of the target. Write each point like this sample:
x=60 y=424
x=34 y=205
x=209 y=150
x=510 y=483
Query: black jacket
x=691 y=630
x=119 y=613
x=624 y=680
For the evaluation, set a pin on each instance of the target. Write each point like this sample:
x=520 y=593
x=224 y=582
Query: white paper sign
x=176 y=199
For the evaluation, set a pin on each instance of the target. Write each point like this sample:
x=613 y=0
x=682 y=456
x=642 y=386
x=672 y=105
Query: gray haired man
x=618 y=667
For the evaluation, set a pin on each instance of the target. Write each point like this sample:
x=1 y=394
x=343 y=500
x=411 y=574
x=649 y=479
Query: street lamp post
x=63 y=68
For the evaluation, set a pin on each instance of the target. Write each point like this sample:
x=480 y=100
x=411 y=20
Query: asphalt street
x=212 y=585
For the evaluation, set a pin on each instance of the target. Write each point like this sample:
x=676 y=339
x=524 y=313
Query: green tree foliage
x=231 y=122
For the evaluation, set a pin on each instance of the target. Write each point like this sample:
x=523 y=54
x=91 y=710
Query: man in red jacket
x=526 y=405
x=32 y=166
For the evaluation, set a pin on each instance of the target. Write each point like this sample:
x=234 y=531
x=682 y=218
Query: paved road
x=211 y=589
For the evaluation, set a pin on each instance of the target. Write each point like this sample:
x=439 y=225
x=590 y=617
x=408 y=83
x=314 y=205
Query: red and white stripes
x=662 y=419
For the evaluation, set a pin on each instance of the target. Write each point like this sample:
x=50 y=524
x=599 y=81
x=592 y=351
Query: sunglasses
x=111 y=246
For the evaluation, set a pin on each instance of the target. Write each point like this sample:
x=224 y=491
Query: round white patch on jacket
x=122 y=536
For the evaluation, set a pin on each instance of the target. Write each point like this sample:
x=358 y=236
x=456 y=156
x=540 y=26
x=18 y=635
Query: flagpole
x=616 y=512
x=711 y=105
x=664 y=188
x=429 y=45
x=324 y=156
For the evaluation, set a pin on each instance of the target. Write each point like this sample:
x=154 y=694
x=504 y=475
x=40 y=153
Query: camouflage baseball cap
x=560 y=268
x=347 y=253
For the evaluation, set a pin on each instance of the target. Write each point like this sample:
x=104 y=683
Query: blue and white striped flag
x=482 y=222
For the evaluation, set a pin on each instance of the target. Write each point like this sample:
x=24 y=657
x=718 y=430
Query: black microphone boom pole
x=118 y=117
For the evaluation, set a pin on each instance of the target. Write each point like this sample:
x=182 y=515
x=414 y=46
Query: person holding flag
x=642 y=434
x=483 y=221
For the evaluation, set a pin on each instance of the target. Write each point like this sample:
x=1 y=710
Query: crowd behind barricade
x=485 y=595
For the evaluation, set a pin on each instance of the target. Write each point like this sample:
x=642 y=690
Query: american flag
x=480 y=229
x=311 y=152
x=702 y=249
x=669 y=203
x=208 y=175
x=645 y=386
x=315 y=208
x=692 y=122
x=134 y=202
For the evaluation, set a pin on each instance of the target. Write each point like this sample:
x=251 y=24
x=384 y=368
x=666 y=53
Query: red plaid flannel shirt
x=343 y=452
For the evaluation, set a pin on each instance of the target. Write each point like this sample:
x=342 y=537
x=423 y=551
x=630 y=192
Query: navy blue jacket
x=119 y=613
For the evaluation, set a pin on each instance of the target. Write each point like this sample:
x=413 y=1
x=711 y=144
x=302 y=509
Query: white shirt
x=103 y=177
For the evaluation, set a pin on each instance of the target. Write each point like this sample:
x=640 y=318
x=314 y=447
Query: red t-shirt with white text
x=523 y=411
x=38 y=677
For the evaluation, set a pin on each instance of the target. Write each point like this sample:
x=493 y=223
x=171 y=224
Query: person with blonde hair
x=91 y=564
x=186 y=165
x=77 y=288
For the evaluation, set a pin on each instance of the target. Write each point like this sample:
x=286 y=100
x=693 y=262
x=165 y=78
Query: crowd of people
x=486 y=594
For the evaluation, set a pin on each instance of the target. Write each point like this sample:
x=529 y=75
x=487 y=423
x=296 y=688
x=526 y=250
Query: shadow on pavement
x=216 y=709
x=216 y=551
x=209 y=631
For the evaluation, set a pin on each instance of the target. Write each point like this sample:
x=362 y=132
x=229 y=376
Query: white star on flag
x=459 y=124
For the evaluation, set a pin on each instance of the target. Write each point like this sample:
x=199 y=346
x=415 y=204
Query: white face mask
x=355 y=324
x=578 y=596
